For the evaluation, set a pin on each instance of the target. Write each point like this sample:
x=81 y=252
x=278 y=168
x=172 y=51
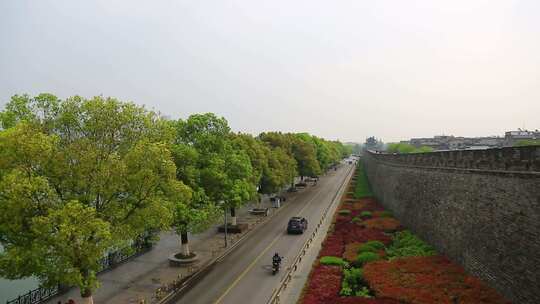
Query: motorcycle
x=275 y=267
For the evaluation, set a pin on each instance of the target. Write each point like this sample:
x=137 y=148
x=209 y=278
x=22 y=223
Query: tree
x=527 y=142
x=280 y=171
x=99 y=160
x=225 y=171
x=406 y=148
x=304 y=152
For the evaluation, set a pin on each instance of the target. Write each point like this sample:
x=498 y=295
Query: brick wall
x=482 y=210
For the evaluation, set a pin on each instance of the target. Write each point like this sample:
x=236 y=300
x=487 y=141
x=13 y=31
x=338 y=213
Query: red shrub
x=324 y=285
x=332 y=246
x=427 y=280
x=352 y=233
x=359 y=300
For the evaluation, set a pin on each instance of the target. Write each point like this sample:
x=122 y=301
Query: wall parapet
x=511 y=159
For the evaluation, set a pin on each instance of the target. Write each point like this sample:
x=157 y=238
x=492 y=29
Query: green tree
x=305 y=154
x=527 y=142
x=102 y=160
x=280 y=171
x=225 y=172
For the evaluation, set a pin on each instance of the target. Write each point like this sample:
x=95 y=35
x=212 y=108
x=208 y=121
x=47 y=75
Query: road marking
x=248 y=269
x=252 y=264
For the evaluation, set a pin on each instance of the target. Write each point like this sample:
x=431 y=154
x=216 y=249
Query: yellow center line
x=252 y=264
x=247 y=269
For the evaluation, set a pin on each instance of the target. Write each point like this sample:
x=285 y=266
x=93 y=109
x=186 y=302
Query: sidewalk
x=139 y=278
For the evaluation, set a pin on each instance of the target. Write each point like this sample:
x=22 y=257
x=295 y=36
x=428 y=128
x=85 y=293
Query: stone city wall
x=479 y=208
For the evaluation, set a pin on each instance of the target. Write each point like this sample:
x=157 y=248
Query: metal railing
x=41 y=294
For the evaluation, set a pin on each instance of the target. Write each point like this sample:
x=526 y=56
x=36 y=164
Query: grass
x=362 y=188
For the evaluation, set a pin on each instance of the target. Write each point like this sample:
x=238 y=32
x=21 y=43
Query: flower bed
x=432 y=279
x=385 y=264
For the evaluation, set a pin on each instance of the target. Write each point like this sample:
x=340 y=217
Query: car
x=296 y=225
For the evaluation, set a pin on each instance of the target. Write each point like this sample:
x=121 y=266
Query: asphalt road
x=244 y=276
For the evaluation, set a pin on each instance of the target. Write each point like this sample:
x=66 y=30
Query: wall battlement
x=525 y=159
x=479 y=208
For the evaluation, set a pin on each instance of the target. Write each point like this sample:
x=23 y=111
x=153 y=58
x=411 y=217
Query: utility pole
x=225 y=211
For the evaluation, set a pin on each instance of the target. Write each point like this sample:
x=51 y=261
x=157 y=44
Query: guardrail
x=112 y=260
x=275 y=297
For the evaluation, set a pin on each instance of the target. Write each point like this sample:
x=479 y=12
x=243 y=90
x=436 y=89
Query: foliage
x=426 y=280
x=407 y=244
x=332 y=260
x=362 y=188
x=344 y=212
x=280 y=171
x=366 y=214
x=101 y=158
x=366 y=257
x=384 y=214
x=371 y=246
x=527 y=142
x=353 y=284
x=324 y=285
x=387 y=224
x=406 y=148
x=356 y=219
x=224 y=170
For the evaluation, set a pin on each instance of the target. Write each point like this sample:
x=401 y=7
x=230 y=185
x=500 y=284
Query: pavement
x=244 y=276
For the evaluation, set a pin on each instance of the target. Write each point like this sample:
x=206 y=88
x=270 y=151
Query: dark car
x=296 y=225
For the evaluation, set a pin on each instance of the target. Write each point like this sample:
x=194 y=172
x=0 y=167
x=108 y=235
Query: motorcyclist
x=276 y=259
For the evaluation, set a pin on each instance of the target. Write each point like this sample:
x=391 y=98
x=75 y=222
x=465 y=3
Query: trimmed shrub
x=406 y=244
x=365 y=214
x=385 y=214
x=332 y=260
x=371 y=246
x=353 y=283
x=366 y=257
x=422 y=280
x=344 y=212
x=356 y=219
x=388 y=224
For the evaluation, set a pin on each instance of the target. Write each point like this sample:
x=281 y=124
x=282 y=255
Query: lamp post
x=222 y=203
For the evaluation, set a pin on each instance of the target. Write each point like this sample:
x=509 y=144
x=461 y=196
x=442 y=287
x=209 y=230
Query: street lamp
x=222 y=204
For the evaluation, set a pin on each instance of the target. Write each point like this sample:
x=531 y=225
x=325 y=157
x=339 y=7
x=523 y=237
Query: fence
x=40 y=295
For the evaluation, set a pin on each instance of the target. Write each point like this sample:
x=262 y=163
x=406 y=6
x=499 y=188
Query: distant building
x=450 y=142
x=511 y=137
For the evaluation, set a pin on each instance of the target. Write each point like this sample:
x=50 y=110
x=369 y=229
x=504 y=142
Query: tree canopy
x=80 y=177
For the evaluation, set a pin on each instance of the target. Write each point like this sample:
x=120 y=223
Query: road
x=244 y=276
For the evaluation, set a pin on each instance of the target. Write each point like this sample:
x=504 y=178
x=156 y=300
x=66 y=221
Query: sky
x=337 y=69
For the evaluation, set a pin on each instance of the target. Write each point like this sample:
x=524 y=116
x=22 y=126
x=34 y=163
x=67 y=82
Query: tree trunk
x=87 y=296
x=301 y=178
x=233 y=216
x=185 y=243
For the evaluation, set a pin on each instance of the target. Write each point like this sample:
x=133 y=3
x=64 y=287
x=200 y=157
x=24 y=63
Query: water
x=10 y=289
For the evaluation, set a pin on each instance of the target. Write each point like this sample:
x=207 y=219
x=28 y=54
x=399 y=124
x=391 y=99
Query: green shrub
x=365 y=214
x=386 y=214
x=362 y=188
x=344 y=212
x=371 y=246
x=353 y=283
x=366 y=257
x=356 y=219
x=406 y=244
x=331 y=260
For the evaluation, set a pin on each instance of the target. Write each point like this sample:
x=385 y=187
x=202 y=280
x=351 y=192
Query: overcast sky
x=338 y=69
